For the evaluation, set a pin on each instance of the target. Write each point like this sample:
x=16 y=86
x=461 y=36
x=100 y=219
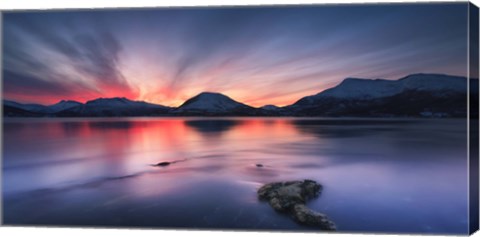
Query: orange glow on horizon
x=176 y=101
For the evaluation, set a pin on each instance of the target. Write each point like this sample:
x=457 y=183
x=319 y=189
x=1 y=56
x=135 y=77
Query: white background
x=77 y=232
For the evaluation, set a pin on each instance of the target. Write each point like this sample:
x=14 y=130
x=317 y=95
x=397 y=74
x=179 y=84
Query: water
x=379 y=175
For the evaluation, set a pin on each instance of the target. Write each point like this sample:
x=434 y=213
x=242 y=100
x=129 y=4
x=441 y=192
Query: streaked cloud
x=260 y=56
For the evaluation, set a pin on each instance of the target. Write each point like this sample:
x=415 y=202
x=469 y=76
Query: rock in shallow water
x=290 y=197
x=305 y=216
x=163 y=164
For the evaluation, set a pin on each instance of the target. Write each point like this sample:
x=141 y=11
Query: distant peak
x=355 y=79
x=112 y=98
x=428 y=75
x=210 y=94
x=117 y=98
x=352 y=80
x=211 y=101
x=68 y=101
x=270 y=107
x=123 y=99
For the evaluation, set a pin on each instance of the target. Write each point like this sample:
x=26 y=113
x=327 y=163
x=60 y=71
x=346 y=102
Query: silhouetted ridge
x=416 y=95
x=209 y=103
x=424 y=95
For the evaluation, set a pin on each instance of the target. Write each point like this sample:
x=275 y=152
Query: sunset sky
x=256 y=55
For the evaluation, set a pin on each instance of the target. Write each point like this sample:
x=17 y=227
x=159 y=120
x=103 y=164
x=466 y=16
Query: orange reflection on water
x=89 y=149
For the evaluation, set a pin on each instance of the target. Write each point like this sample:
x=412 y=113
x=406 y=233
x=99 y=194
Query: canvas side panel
x=473 y=115
x=1 y=117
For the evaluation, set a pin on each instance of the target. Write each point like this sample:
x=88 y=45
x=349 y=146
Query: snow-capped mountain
x=13 y=110
x=365 y=89
x=93 y=108
x=63 y=105
x=115 y=107
x=270 y=107
x=213 y=103
x=414 y=95
x=36 y=108
x=120 y=102
x=427 y=95
x=44 y=109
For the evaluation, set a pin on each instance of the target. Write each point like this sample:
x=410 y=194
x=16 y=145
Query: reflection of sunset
x=158 y=136
x=263 y=129
x=152 y=141
x=101 y=169
x=200 y=145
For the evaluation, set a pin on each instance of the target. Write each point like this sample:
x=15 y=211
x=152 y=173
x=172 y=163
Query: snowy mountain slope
x=414 y=95
x=433 y=82
x=366 y=89
x=63 y=105
x=94 y=108
x=209 y=102
x=12 y=104
x=115 y=107
x=13 y=111
x=362 y=89
x=36 y=108
x=270 y=107
x=118 y=102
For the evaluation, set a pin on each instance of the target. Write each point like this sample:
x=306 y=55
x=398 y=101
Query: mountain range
x=417 y=95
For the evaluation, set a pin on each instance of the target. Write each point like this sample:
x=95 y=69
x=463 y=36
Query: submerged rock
x=290 y=197
x=163 y=163
x=259 y=165
x=305 y=216
x=283 y=196
x=167 y=163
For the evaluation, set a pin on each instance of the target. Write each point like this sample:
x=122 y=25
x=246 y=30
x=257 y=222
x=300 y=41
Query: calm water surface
x=380 y=175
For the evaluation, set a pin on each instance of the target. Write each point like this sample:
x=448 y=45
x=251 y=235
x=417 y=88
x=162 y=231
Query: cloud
x=98 y=58
x=92 y=55
x=23 y=84
x=260 y=55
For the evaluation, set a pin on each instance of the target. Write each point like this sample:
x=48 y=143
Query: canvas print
x=309 y=118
